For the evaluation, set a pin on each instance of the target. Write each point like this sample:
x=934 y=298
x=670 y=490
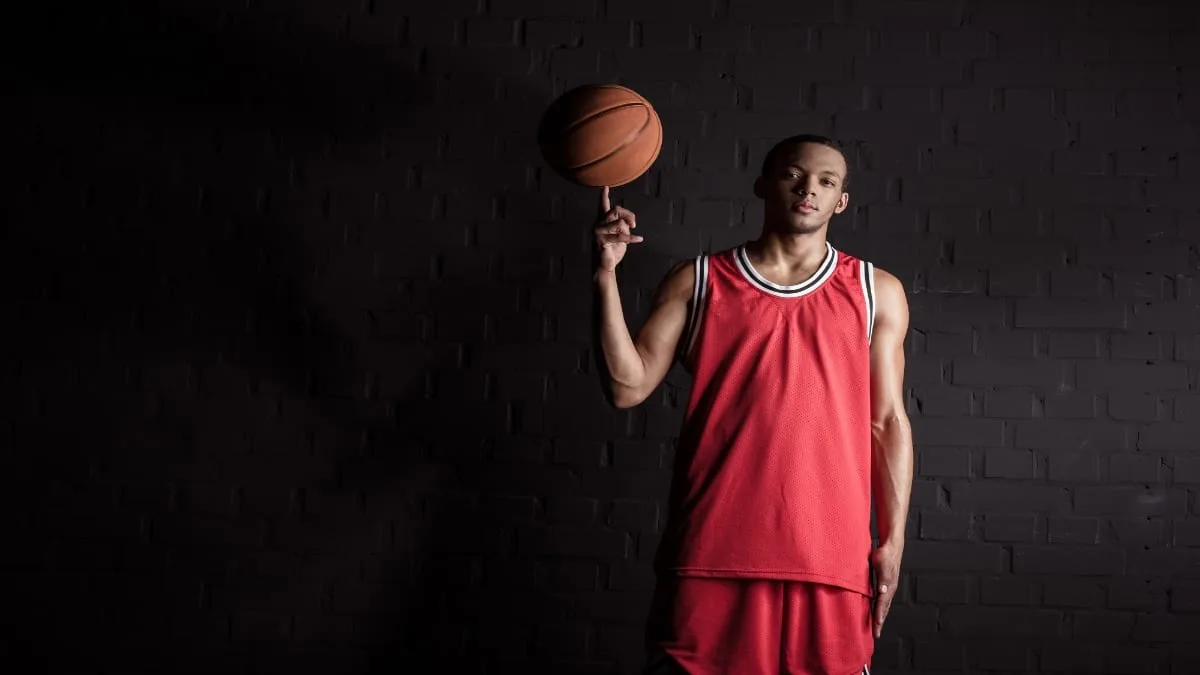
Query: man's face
x=804 y=188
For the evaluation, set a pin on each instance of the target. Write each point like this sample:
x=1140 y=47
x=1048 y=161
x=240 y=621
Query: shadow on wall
x=227 y=457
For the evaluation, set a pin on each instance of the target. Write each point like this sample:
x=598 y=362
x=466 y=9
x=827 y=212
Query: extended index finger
x=605 y=204
x=883 y=603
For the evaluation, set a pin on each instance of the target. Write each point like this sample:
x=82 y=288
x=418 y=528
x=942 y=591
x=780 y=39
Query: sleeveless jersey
x=772 y=475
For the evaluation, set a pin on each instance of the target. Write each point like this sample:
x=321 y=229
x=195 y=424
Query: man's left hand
x=886 y=562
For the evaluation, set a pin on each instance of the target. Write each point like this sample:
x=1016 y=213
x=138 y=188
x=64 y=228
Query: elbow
x=624 y=396
x=889 y=424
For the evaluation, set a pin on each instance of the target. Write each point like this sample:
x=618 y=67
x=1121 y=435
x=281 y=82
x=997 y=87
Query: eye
x=827 y=182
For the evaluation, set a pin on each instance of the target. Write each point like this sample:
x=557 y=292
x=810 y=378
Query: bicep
x=659 y=338
x=887 y=349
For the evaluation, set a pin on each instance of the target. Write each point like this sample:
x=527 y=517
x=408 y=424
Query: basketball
x=600 y=135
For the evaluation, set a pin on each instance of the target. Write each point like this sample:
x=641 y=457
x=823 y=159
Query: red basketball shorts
x=706 y=626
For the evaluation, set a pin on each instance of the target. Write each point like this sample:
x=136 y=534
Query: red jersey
x=773 y=471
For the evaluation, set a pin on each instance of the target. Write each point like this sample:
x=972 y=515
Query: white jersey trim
x=699 y=301
x=823 y=273
x=867 y=278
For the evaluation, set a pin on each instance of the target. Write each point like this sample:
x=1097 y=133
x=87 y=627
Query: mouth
x=804 y=207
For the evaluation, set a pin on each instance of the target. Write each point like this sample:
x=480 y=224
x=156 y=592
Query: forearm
x=892 y=471
x=624 y=365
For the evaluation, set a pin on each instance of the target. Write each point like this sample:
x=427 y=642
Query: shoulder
x=886 y=282
x=679 y=281
x=891 y=297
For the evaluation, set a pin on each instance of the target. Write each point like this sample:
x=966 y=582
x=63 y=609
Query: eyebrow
x=823 y=172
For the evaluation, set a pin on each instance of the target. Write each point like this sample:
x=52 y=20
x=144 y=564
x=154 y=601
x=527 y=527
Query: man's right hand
x=614 y=232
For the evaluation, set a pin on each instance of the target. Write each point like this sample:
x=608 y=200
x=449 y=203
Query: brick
x=1165 y=316
x=1073 y=530
x=954 y=557
x=911 y=100
x=962 y=101
x=872 y=127
x=1070 y=405
x=1013 y=130
x=1129 y=500
x=1009 y=252
x=998 y=371
x=1138 y=531
x=952 y=161
x=999 y=621
x=947 y=344
x=939 y=401
x=1011 y=528
x=1074 y=467
x=574 y=542
x=1080 y=657
x=1084 y=162
x=1018 y=464
x=965 y=43
x=634 y=515
x=834 y=97
x=1068 y=592
x=630 y=577
x=1136 y=377
x=958 y=431
x=1069 y=434
x=1008 y=591
x=1141 y=285
x=1185 y=596
x=1028 y=73
x=993 y=497
x=1014 y=283
x=1144 y=256
x=671 y=9
x=945 y=526
x=723 y=36
x=1016 y=404
x=1133 y=468
x=958 y=191
x=1069 y=560
x=1040 y=313
x=1133 y=406
x=1009 y=344
x=1169 y=437
x=940 y=655
x=944 y=589
x=1085 y=191
x=944 y=462
x=917 y=13
x=1074 y=345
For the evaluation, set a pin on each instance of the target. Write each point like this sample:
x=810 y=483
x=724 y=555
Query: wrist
x=603 y=276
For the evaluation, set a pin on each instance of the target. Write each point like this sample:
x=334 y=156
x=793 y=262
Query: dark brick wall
x=298 y=375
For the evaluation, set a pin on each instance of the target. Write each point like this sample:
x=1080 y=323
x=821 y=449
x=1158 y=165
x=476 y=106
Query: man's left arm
x=892 y=445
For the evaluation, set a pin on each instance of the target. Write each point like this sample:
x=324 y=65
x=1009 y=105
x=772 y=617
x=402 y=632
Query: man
x=795 y=424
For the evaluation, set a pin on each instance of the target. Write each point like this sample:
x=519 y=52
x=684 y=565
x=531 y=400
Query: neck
x=799 y=250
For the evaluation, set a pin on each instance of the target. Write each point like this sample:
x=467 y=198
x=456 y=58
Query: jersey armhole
x=867 y=278
x=696 y=313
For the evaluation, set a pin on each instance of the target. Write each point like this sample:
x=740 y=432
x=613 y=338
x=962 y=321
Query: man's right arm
x=636 y=366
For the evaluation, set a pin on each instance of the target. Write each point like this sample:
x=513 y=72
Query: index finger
x=605 y=204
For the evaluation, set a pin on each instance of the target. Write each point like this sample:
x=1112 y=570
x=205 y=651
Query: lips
x=804 y=207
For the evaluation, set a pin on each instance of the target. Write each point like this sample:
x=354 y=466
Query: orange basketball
x=600 y=134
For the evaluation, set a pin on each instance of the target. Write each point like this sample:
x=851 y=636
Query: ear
x=842 y=203
x=758 y=187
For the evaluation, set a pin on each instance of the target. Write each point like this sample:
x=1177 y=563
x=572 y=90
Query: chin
x=805 y=223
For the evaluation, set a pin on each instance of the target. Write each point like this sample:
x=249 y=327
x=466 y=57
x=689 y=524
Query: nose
x=806 y=186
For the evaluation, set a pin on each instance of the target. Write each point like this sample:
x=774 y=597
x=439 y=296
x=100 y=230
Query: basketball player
x=795 y=426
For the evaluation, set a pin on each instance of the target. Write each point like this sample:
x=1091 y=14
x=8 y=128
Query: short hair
x=777 y=152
